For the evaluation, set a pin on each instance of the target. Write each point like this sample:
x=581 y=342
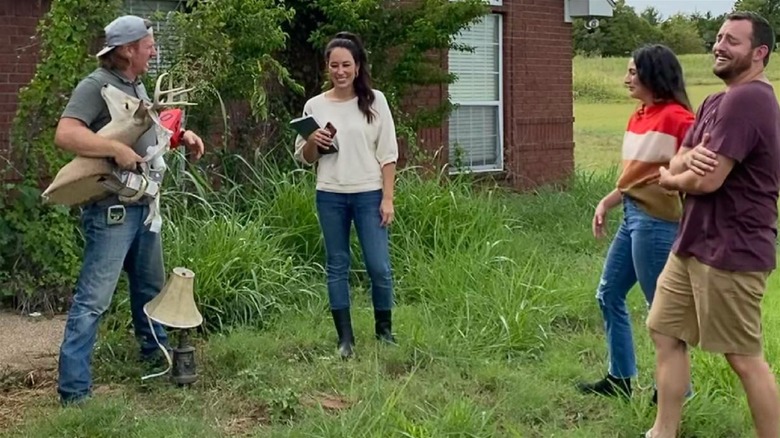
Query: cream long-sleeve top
x=363 y=148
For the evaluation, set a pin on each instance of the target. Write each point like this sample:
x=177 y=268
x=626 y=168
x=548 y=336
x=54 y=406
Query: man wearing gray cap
x=115 y=234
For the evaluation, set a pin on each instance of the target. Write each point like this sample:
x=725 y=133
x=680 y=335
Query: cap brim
x=104 y=51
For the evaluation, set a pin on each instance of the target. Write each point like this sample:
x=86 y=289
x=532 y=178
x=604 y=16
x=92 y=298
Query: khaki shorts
x=718 y=310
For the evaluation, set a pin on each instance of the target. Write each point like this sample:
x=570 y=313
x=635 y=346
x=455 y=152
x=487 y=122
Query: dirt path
x=29 y=343
x=28 y=363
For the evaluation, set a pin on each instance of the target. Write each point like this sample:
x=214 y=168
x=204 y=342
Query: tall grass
x=496 y=319
x=480 y=259
x=600 y=80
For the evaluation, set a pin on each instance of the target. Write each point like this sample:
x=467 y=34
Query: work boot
x=343 y=321
x=608 y=386
x=384 y=325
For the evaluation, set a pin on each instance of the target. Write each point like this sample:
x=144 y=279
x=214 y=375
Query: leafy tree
x=769 y=9
x=681 y=35
x=404 y=41
x=622 y=33
x=707 y=25
x=616 y=36
x=651 y=15
x=269 y=52
x=226 y=49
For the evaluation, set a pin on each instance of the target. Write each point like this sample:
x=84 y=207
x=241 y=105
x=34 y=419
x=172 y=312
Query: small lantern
x=175 y=307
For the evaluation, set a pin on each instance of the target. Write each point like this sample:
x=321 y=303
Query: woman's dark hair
x=660 y=71
x=362 y=83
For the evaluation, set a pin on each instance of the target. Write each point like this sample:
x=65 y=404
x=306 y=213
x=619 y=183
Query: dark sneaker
x=608 y=386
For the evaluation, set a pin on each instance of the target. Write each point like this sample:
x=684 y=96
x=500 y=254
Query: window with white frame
x=476 y=124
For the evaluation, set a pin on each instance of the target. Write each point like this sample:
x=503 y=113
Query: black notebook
x=305 y=125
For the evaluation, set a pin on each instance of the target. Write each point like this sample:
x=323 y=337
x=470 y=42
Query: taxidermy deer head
x=78 y=182
x=131 y=117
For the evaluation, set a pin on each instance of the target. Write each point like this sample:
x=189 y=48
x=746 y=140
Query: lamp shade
x=175 y=305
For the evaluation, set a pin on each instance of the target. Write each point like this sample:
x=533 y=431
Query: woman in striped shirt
x=650 y=213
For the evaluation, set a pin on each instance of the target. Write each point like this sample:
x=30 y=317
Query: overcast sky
x=670 y=7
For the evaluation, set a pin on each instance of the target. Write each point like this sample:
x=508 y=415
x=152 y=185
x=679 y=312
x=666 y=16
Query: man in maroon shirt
x=711 y=288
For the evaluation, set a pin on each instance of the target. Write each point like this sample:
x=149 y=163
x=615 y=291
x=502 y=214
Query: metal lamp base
x=184 y=367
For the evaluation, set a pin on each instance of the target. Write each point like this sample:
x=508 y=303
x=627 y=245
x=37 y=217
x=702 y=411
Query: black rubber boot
x=384 y=325
x=608 y=386
x=343 y=321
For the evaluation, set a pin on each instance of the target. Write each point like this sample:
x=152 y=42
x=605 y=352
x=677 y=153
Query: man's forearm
x=388 y=181
x=677 y=163
x=82 y=141
x=687 y=182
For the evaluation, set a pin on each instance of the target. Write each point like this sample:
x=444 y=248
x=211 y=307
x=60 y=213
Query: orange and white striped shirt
x=653 y=136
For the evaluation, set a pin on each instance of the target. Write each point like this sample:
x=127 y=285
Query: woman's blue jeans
x=638 y=253
x=337 y=212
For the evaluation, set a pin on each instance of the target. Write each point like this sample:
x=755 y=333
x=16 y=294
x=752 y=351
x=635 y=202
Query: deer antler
x=167 y=97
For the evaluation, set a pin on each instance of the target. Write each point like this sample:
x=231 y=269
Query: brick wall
x=18 y=57
x=538 y=114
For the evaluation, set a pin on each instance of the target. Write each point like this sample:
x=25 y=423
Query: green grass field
x=496 y=320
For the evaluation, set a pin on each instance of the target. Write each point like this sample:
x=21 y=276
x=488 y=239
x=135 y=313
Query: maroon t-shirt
x=734 y=228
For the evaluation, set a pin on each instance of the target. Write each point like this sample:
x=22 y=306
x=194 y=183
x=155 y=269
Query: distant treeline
x=628 y=29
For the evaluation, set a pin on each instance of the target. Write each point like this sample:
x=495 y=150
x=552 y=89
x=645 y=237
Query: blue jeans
x=336 y=212
x=131 y=247
x=638 y=253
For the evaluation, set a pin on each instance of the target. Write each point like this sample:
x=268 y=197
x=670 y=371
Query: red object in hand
x=171 y=119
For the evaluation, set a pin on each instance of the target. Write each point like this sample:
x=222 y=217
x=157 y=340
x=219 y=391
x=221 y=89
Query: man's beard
x=736 y=67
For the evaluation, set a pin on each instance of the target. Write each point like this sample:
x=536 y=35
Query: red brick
x=9 y=88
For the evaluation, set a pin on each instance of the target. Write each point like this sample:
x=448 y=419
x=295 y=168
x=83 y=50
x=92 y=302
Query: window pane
x=477 y=71
x=474 y=136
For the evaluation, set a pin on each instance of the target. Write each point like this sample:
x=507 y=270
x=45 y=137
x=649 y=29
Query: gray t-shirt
x=87 y=104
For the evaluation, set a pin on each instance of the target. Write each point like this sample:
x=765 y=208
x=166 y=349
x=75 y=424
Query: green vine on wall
x=67 y=36
x=39 y=245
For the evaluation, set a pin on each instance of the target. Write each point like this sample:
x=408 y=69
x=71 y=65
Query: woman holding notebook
x=356 y=152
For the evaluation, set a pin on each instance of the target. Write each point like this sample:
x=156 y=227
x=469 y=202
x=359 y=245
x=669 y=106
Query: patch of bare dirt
x=247 y=417
x=250 y=417
x=30 y=343
x=328 y=402
x=28 y=364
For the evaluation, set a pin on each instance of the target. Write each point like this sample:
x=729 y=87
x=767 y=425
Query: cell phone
x=332 y=129
x=333 y=144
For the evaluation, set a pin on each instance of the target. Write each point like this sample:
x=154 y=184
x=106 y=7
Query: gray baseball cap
x=124 y=30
